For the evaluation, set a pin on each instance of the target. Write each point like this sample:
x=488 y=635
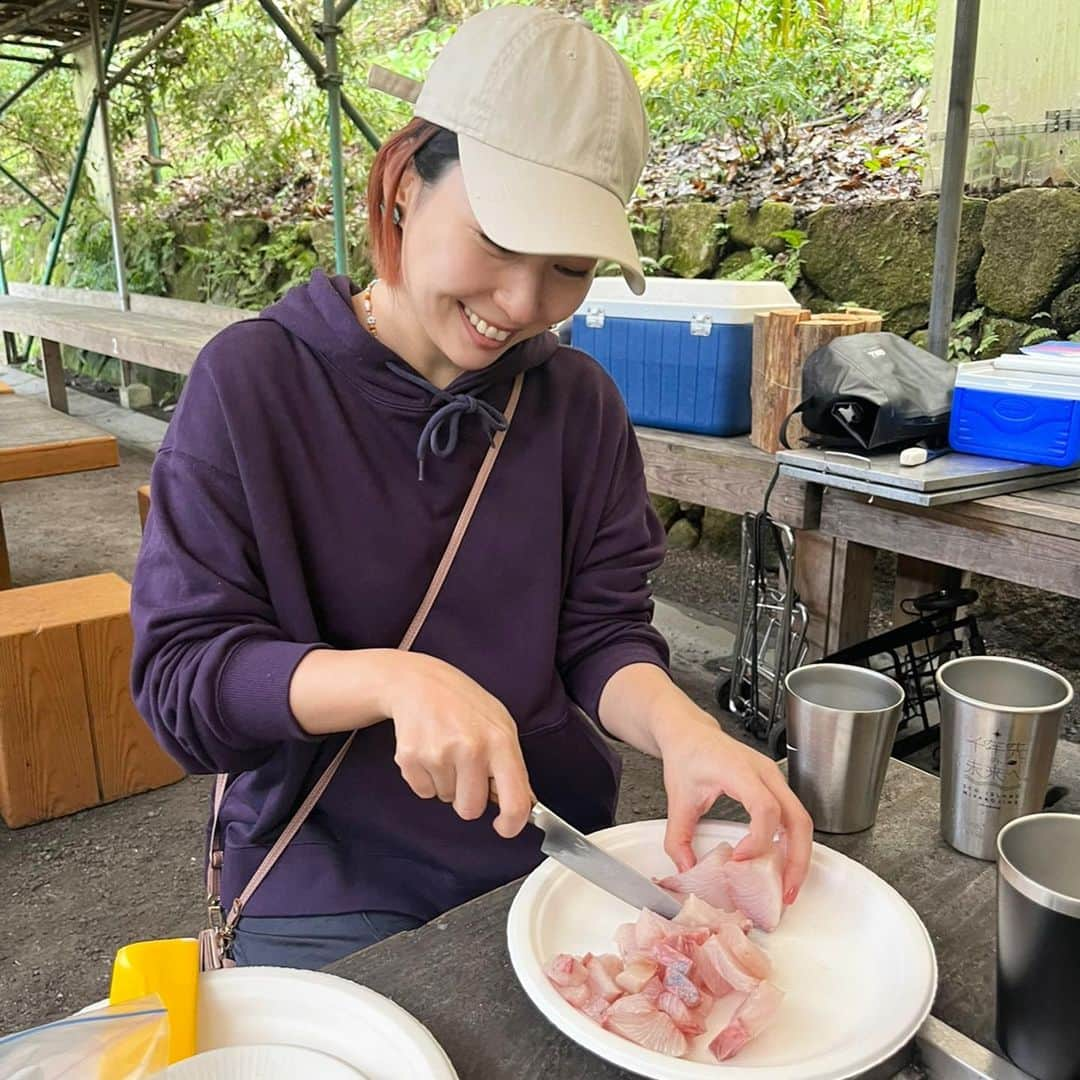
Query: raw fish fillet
x=566 y=970
x=716 y=957
x=756 y=886
x=706 y=880
x=708 y=974
x=596 y=1008
x=699 y=913
x=601 y=979
x=636 y=974
x=679 y=983
x=636 y=1018
x=749 y=1020
x=578 y=996
x=748 y=956
x=651 y=928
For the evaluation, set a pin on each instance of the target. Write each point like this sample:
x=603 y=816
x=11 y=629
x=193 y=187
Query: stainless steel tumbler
x=1038 y=948
x=1000 y=721
x=841 y=723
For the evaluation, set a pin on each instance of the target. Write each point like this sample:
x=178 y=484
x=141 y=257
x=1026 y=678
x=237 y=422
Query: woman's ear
x=407 y=192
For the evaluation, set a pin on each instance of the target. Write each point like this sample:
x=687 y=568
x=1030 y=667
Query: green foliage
x=753 y=68
x=785 y=267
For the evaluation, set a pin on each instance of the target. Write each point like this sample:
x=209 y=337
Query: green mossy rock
x=691 y=239
x=667 y=510
x=1032 y=242
x=733 y=263
x=1066 y=310
x=882 y=256
x=756 y=228
x=683 y=535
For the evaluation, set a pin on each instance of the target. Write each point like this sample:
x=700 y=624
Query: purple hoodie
x=288 y=515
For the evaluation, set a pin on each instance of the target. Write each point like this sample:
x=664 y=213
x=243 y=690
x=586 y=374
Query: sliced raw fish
x=636 y=974
x=687 y=1020
x=578 y=996
x=653 y=988
x=756 y=886
x=748 y=1021
x=670 y=957
x=700 y=913
x=651 y=928
x=601 y=980
x=748 y=956
x=596 y=1008
x=636 y=1018
x=626 y=940
x=716 y=957
x=706 y=879
x=566 y=970
x=708 y=974
x=679 y=983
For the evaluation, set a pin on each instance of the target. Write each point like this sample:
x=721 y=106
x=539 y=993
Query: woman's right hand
x=456 y=742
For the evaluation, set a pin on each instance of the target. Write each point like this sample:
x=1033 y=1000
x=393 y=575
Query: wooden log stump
x=783 y=340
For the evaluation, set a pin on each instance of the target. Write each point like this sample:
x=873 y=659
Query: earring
x=397 y=215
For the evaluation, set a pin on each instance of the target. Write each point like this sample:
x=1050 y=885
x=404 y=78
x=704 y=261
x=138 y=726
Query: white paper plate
x=855 y=962
x=240 y=1006
x=261 y=1063
x=273 y=1006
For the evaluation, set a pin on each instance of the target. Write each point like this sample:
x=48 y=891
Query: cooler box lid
x=684 y=300
x=1036 y=376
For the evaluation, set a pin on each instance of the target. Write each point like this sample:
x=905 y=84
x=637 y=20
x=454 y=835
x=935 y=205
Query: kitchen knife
x=578 y=853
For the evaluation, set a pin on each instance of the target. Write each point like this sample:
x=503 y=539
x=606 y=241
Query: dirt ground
x=74 y=890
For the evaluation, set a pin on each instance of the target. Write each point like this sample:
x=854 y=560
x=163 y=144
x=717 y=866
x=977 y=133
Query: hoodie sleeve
x=211 y=667
x=606 y=619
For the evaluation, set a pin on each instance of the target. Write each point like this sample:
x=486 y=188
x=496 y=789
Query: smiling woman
x=314 y=507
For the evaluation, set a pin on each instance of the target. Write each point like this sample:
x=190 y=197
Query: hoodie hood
x=321 y=315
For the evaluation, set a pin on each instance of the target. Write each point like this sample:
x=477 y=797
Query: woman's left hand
x=702 y=763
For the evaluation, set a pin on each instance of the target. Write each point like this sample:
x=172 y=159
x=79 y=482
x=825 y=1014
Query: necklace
x=369 y=315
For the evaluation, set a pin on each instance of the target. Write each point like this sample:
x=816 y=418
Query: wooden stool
x=144 y=503
x=69 y=733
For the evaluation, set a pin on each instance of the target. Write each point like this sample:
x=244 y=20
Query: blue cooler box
x=680 y=354
x=1023 y=408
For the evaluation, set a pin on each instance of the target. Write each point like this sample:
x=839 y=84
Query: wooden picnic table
x=37 y=441
x=454 y=974
x=1027 y=537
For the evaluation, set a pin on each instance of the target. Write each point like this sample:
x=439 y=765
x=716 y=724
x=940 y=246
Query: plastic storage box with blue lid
x=681 y=353
x=1022 y=408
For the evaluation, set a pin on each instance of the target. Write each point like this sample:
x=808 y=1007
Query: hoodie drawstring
x=440 y=434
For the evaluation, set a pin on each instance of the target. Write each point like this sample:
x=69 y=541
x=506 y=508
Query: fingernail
x=790 y=895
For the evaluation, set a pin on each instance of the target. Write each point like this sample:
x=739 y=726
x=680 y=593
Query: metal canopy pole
x=951 y=196
x=316 y=65
x=29 y=194
x=101 y=89
x=39 y=74
x=328 y=31
x=150 y=46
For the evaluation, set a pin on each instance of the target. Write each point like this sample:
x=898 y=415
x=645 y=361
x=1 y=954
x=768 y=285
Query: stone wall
x=1018 y=278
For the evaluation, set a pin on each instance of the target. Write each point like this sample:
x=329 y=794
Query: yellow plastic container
x=170 y=969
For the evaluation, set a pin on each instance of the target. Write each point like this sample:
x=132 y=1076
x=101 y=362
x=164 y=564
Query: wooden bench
x=156 y=332
x=70 y=737
x=143 y=496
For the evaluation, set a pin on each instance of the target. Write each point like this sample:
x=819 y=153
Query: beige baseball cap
x=551 y=130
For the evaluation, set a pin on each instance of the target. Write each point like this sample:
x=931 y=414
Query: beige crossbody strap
x=441 y=572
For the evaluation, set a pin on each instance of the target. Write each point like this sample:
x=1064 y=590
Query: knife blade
x=577 y=852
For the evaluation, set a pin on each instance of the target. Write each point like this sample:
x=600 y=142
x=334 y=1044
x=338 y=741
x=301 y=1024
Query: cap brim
x=539 y=210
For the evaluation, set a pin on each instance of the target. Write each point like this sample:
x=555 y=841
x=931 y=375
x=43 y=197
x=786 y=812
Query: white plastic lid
x=1032 y=375
x=679 y=299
